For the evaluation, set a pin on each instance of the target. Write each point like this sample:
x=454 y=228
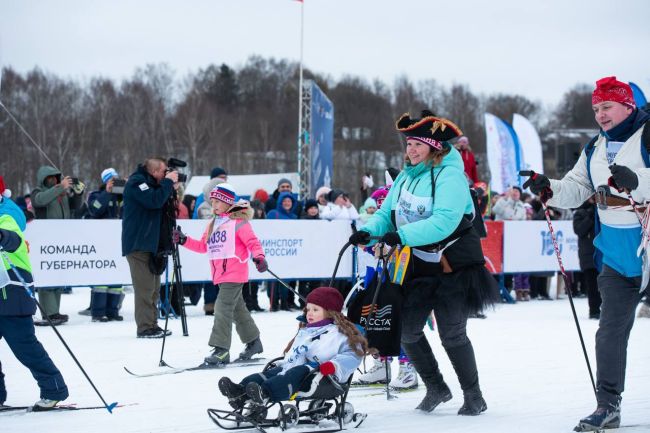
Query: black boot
x=473 y=403
x=257 y=394
x=425 y=364
x=464 y=362
x=235 y=392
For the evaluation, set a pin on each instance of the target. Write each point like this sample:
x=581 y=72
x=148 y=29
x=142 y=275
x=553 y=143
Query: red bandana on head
x=610 y=89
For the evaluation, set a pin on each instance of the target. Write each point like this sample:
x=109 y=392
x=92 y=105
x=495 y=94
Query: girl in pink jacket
x=230 y=242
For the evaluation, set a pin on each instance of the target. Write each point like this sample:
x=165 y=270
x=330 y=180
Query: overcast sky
x=535 y=48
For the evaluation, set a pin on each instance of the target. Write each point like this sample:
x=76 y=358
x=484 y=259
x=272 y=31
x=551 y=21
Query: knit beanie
x=284 y=180
x=108 y=174
x=224 y=192
x=4 y=192
x=310 y=203
x=327 y=298
x=217 y=171
x=322 y=190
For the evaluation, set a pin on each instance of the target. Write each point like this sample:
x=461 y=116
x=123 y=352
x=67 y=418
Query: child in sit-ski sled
x=329 y=343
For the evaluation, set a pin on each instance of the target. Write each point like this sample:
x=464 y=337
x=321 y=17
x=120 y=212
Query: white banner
x=529 y=143
x=527 y=246
x=89 y=252
x=501 y=154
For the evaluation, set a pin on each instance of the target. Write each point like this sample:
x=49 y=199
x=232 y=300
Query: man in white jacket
x=613 y=165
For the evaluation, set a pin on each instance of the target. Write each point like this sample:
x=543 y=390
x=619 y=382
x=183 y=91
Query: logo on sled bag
x=380 y=321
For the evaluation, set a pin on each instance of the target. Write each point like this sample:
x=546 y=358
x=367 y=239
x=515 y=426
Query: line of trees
x=244 y=120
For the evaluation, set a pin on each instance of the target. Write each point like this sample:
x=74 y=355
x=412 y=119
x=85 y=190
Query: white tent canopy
x=244 y=184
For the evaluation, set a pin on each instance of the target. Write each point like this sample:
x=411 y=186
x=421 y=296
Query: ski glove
x=261 y=264
x=178 y=237
x=391 y=239
x=361 y=237
x=538 y=184
x=327 y=368
x=623 y=178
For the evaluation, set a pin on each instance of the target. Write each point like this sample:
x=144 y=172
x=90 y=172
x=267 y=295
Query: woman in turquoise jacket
x=429 y=208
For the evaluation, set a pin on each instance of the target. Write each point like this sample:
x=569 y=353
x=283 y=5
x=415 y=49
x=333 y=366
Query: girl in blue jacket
x=429 y=208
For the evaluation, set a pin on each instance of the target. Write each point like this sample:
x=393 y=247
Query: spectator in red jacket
x=468 y=158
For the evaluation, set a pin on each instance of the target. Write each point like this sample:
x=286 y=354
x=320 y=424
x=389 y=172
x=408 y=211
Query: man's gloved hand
x=361 y=237
x=538 y=184
x=178 y=237
x=327 y=368
x=261 y=264
x=623 y=178
x=391 y=239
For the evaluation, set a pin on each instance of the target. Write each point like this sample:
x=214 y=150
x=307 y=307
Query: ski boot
x=376 y=374
x=235 y=392
x=252 y=348
x=218 y=356
x=604 y=417
x=406 y=378
x=44 y=404
x=436 y=393
x=473 y=404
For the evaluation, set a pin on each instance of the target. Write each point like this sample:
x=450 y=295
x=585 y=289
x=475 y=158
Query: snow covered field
x=531 y=367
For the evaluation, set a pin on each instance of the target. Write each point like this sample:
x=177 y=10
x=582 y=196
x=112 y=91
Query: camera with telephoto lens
x=173 y=164
x=74 y=180
x=118 y=186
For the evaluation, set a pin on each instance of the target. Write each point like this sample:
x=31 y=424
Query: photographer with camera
x=55 y=197
x=106 y=203
x=146 y=195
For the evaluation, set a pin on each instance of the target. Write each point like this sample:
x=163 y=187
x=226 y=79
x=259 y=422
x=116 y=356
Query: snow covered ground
x=532 y=372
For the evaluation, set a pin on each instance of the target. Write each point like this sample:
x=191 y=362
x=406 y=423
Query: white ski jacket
x=620 y=233
x=314 y=346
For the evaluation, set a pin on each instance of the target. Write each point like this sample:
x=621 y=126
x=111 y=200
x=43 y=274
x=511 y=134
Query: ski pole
x=287 y=286
x=109 y=407
x=568 y=290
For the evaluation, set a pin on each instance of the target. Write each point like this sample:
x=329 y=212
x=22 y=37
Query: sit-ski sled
x=327 y=402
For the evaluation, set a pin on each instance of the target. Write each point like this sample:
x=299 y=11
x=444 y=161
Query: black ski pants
x=451 y=312
x=620 y=295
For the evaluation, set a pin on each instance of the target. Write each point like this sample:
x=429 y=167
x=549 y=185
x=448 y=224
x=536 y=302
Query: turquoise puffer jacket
x=452 y=201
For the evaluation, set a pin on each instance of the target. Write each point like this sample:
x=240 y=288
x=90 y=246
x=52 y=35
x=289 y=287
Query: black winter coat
x=583 y=226
x=144 y=200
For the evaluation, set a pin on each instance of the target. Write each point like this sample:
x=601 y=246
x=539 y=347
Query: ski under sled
x=203 y=366
x=253 y=416
x=57 y=408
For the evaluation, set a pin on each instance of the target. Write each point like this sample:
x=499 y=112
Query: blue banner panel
x=321 y=140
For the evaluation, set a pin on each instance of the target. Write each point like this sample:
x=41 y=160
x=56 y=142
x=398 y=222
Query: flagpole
x=300 y=137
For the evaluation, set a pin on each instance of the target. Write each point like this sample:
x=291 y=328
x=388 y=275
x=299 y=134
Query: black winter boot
x=473 y=403
x=235 y=392
x=257 y=394
x=464 y=362
x=436 y=393
x=425 y=364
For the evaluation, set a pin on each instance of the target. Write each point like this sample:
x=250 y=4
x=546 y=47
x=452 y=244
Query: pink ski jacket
x=235 y=269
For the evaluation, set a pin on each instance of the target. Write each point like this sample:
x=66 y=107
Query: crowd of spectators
x=62 y=197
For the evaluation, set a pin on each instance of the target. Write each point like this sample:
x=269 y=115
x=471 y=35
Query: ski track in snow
x=531 y=367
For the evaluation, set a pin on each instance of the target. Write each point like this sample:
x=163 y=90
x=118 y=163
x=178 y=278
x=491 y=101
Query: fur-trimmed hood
x=241 y=210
